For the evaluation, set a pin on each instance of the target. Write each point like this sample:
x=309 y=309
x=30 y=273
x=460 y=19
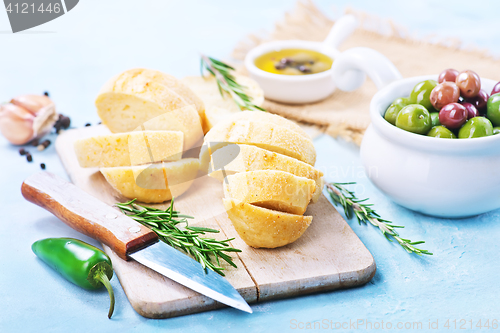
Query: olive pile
x=455 y=106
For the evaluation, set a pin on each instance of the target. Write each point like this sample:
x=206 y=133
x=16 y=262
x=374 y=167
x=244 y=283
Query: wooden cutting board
x=328 y=256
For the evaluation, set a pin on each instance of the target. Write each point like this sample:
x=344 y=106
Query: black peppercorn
x=87 y=125
x=22 y=151
x=42 y=165
x=29 y=157
x=64 y=122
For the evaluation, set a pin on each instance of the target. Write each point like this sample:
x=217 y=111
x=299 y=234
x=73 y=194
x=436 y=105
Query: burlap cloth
x=347 y=114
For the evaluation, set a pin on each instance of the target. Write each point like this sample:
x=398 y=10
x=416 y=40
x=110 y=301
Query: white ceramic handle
x=350 y=68
x=342 y=29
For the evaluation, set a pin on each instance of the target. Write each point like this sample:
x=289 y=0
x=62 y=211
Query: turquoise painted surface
x=71 y=58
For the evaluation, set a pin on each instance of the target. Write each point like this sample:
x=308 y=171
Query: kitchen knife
x=126 y=237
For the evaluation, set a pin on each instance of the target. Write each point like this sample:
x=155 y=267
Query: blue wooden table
x=73 y=56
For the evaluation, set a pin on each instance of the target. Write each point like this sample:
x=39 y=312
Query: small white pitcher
x=348 y=71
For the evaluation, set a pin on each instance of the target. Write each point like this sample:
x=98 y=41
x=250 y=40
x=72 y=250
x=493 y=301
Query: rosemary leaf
x=227 y=83
x=202 y=230
x=365 y=214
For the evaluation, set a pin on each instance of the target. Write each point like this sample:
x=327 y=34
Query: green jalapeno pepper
x=78 y=262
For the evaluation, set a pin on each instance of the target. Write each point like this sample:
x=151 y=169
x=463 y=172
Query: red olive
x=479 y=101
x=449 y=74
x=496 y=89
x=469 y=83
x=453 y=115
x=444 y=93
x=471 y=110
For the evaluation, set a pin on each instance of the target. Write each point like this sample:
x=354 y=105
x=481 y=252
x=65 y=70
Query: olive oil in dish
x=294 y=62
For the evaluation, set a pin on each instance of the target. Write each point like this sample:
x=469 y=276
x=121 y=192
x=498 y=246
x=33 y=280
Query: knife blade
x=126 y=237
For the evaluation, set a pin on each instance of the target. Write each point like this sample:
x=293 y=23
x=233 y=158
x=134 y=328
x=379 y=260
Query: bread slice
x=135 y=96
x=153 y=183
x=264 y=228
x=261 y=134
x=218 y=107
x=125 y=149
x=235 y=158
x=272 y=189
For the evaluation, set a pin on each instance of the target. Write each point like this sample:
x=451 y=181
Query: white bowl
x=293 y=89
x=438 y=177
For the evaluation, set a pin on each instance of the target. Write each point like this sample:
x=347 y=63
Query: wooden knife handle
x=87 y=214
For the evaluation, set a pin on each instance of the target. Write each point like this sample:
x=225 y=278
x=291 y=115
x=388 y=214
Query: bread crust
x=133 y=97
x=265 y=135
x=264 y=228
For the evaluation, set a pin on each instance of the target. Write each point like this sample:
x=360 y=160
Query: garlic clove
x=16 y=124
x=44 y=120
x=32 y=103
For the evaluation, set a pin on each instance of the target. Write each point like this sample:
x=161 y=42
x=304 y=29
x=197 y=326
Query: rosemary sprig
x=226 y=82
x=366 y=214
x=164 y=224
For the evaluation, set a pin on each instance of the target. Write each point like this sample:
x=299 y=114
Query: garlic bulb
x=27 y=117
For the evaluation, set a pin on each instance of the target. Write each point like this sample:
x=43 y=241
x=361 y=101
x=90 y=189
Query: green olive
x=421 y=94
x=493 y=109
x=393 y=110
x=414 y=118
x=496 y=130
x=441 y=132
x=435 y=119
x=475 y=128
